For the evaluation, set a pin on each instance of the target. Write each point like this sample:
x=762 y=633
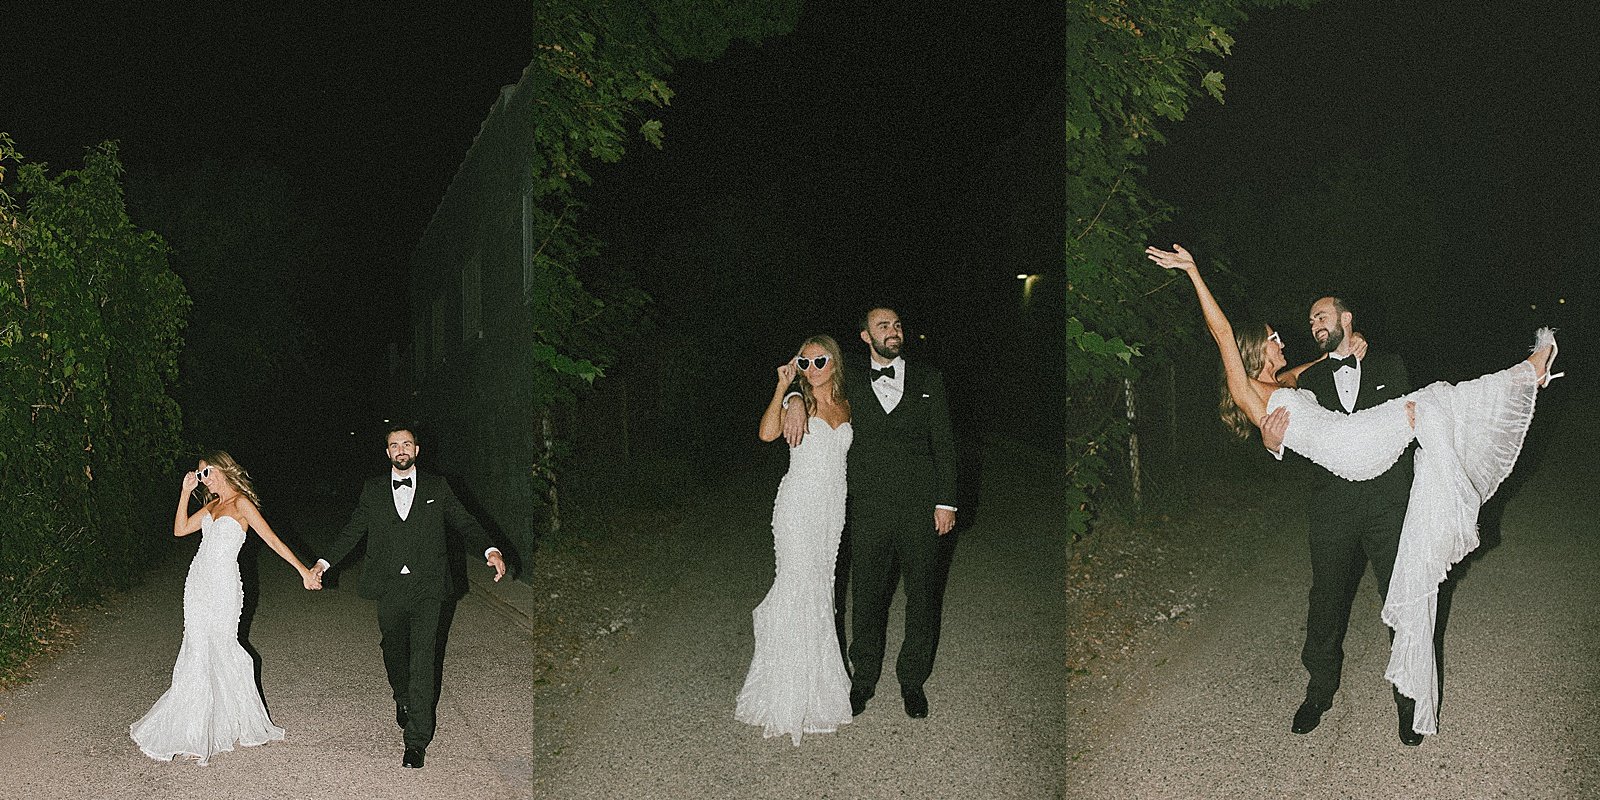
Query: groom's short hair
x=416 y=439
x=866 y=313
x=1340 y=305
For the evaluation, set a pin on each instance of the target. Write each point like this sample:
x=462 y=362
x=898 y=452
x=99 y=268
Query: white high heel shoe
x=1546 y=337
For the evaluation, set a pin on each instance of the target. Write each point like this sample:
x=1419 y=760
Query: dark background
x=904 y=152
x=1477 y=215
x=870 y=154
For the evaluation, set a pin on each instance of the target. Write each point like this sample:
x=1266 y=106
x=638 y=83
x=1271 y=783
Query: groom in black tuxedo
x=1352 y=523
x=403 y=515
x=902 y=486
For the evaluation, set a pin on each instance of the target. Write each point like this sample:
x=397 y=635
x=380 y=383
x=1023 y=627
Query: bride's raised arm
x=1246 y=391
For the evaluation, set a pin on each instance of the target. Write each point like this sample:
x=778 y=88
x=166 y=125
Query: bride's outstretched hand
x=1176 y=258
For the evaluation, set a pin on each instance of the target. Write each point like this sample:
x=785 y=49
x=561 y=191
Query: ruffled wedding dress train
x=1469 y=435
x=797 y=683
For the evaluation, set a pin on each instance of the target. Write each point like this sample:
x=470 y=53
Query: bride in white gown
x=212 y=703
x=1469 y=435
x=797 y=682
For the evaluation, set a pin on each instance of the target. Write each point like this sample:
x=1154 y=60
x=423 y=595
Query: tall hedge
x=90 y=322
x=1133 y=68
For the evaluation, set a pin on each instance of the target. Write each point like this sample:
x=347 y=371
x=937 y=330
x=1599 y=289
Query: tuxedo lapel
x=913 y=388
x=868 y=399
x=1318 y=378
x=1367 y=392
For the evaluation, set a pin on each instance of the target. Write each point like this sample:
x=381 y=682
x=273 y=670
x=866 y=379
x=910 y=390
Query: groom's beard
x=1335 y=338
x=402 y=463
x=885 y=350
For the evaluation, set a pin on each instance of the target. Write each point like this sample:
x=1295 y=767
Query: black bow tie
x=402 y=482
x=1348 y=363
x=886 y=372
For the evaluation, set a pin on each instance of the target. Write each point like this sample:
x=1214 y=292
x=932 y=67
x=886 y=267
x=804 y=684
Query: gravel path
x=650 y=714
x=65 y=735
x=1203 y=710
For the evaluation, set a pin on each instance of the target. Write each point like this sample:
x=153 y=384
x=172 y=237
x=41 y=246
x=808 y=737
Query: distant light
x=352 y=433
x=1022 y=276
x=922 y=336
x=1534 y=306
x=1028 y=282
x=1562 y=301
x=386 y=420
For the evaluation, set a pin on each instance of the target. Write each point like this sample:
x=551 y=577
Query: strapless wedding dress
x=797 y=683
x=1468 y=435
x=213 y=702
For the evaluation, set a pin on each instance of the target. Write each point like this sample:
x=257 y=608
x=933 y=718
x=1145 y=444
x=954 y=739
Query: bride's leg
x=1544 y=352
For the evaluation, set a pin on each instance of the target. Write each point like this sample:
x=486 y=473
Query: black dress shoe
x=858 y=701
x=413 y=759
x=916 y=702
x=1309 y=715
x=1408 y=736
x=400 y=715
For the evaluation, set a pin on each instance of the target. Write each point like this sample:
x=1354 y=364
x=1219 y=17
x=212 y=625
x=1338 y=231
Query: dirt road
x=65 y=735
x=651 y=714
x=1204 y=711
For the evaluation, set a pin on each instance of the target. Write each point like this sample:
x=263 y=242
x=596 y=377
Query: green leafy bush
x=90 y=322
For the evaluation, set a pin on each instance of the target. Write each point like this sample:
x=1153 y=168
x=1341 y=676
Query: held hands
x=1177 y=258
x=498 y=563
x=312 y=579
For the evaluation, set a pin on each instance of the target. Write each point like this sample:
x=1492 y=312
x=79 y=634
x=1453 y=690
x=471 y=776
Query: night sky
x=367 y=109
x=1491 y=110
x=864 y=142
x=866 y=127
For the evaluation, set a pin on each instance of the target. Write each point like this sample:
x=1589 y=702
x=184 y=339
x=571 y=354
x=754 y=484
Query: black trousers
x=1366 y=532
x=880 y=556
x=411 y=622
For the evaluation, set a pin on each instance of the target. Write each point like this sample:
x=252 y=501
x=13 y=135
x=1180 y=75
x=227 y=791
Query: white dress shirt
x=1347 y=381
x=403 y=495
x=890 y=390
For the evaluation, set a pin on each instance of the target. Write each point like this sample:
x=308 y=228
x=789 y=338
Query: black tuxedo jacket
x=1383 y=378
x=420 y=542
x=901 y=463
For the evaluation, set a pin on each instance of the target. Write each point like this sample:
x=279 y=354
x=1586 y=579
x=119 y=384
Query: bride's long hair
x=1251 y=339
x=237 y=477
x=835 y=382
